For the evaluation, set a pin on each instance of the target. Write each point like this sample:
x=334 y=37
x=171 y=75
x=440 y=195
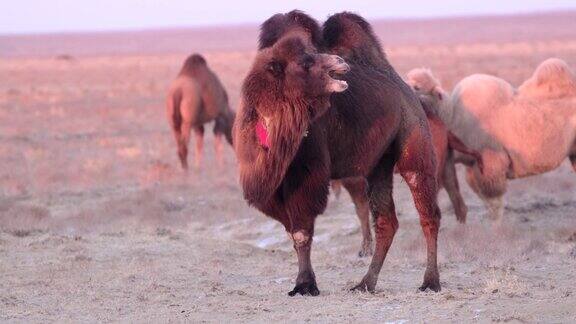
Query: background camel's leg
x=183 y=139
x=358 y=190
x=218 y=149
x=178 y=139
x=385 y=221
x=450 y=183
x=199 y=135
x=491 y=190
x=495 y=209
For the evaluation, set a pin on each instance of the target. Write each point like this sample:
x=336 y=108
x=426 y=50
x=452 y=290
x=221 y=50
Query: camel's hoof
x=306 y=288
x=433 y=285
x=461 y=213
x=364 y=287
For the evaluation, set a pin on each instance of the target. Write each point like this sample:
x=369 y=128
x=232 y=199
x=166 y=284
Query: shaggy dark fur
x=444 y=144
x=377 y=124
x=280 y=25
x=195 y=98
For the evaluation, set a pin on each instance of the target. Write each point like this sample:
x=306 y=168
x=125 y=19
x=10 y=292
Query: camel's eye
x=307 y=62
x=275 y=68
x=417 y=88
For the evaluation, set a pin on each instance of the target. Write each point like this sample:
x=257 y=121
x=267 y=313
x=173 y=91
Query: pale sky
x=46 y=16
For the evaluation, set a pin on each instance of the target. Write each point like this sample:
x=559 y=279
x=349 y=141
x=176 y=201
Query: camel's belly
x=535 y=145
x=524 y=164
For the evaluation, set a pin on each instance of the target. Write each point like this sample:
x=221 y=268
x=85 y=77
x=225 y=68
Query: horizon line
x=246 y=24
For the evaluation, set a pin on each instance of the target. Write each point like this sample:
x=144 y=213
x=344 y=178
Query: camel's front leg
x=306 y=280
x=305 y=195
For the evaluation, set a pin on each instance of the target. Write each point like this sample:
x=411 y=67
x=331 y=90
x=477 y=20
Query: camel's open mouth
x=335 y=84
x=339 y=69
x=338 y=85
x=336 y=70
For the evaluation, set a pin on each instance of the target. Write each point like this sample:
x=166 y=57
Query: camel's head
x=422 y=81
x=292 y=73
x=192 y=64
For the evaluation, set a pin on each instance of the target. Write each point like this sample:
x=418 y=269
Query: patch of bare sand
x=151 y=255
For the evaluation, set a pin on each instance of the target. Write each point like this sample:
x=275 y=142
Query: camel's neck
x=281 y=135
x=262 y=133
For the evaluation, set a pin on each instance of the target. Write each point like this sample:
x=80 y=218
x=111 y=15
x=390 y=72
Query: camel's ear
x=275 y=68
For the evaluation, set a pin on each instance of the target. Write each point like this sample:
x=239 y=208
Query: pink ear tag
x=262 y=134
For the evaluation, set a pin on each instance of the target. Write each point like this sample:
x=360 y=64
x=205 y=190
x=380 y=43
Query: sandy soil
x=97 y=223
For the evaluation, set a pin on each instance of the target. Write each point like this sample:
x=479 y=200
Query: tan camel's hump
x=481 y=94
x=553 y=78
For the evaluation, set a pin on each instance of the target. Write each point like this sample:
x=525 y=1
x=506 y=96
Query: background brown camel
x=444 y=144
x=363 y=132
x=195 y=98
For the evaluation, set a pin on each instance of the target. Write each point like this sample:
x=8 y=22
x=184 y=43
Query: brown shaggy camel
x=445 y=143
x=291 y=137
x=520 y=132
x=195 y=98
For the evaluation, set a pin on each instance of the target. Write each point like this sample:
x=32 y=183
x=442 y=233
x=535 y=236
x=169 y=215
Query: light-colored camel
x=519 y=133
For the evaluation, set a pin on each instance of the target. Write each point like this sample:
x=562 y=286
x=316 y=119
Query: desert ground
x=99 y=224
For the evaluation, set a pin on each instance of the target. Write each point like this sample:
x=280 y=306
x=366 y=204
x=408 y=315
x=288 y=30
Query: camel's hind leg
x=182 y=139
x=417 y=167
x=199 y=135
x=423 y=185
x=385 y=221
x=358 y=190
x=218 y=149
x=450 y=183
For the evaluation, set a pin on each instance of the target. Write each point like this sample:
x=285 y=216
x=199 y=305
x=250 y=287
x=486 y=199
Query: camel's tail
x=175 y=114
x=456 y=144
x=223 y=125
